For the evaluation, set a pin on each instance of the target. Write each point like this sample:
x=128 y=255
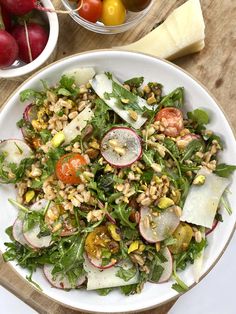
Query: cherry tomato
x=99 y=239
x=183 y=235
x=136 y=5
x=91 y=10
x=113 y=12
x=67 y=168
x=172 y=121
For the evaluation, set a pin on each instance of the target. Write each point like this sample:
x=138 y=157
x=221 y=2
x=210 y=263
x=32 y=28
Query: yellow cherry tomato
x=113 y=12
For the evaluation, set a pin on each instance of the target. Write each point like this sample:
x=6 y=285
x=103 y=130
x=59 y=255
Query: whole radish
x=5 y=19
x=19 y=7
x=31 y=39
x=8 y=49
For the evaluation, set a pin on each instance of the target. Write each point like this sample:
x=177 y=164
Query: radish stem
x=27 y=41
x=38 y=6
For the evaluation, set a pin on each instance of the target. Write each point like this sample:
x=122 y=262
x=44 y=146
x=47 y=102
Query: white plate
x=125 y=65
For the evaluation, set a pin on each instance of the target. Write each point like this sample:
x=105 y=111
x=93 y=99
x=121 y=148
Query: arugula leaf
x=52 y=157
x=148 y=157
x=173 y=99
x=18 y=171
x=199 y=116
x=129 y=234
x=122 y=212
x=193 y=147
x=179 y=286
x=172 y=147
x=67 y=87
x=148 y=175
x=104 y=291
x=156 y=273
x=101 y=120
x=135 y=81
x=119 y=93
x=126 y=274
x=129 y=289
x=92 y=185
x=224 y=170
x=29 y=94
x=105 y=182
x=45 y=136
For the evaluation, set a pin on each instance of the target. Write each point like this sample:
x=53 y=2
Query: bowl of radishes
x=28 y=36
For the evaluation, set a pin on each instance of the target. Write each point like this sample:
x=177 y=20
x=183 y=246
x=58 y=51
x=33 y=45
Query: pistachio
x=29 y=196
x=58 y=139
x=108 y=168
x=115 y=232
x=124 y=100
x=133 y=246
x=165 y=202
x=199 y=180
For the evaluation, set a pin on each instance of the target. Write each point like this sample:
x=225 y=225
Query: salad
x=117 y=185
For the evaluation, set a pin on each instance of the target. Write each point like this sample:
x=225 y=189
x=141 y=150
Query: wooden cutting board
x=215 y=67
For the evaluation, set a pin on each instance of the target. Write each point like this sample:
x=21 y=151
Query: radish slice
x=58 y=282
x=75 y=127
x=31 y=235
x=164 y=224
x=168 y=266
x=98 y=279
x=16 y=150
x=81 y=75
x=17 y=232
x=215 y=223
x=121 y=147
x=30 y=113
x=98 y=262
x=103 y=85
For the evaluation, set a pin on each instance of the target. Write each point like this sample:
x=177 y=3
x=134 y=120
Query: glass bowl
x=132 y=19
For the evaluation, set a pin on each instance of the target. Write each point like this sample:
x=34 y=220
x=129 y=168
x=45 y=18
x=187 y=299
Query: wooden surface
x=215 y=67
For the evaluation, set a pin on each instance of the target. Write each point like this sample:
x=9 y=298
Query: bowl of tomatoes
x=108 y=16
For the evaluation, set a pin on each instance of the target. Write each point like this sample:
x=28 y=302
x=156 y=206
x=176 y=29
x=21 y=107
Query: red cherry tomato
x=172 y=121
x=68 y=166
x=91 y=10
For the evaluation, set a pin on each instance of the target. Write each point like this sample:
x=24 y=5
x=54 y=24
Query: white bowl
x=15 y=72
x=125 y=65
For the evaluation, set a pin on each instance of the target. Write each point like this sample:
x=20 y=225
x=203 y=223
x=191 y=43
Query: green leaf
x=45 y=136
x=193 y=147
x=104 y=291
x=224 y=170
x=148 y=175
x=156 y=273
x=135 y=81
x=64 y=92
x=199 y=116
x=126 y=274
x=128 y=290
x=174 y=99
x=67 y=87
x=148 y=157
x=172 y=147
x=179 y=286
x=122 y=212
x=101 y=120
x=30 y=94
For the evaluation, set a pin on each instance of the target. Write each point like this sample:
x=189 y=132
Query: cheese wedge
x=81 y=75
x=102 y=85
x=182 y=33
x=202 y=201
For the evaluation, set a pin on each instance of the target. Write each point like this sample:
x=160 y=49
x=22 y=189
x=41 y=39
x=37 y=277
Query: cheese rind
x=176 y=36
x=202 y=201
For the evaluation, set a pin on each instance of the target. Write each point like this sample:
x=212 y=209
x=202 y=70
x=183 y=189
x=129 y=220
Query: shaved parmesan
x=81 y=75
x=102 y=85
x=202 y=201
x=106 y=278
x=75 y=127
x=182 y=33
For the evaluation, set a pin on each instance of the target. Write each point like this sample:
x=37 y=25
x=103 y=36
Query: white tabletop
x=214 y=295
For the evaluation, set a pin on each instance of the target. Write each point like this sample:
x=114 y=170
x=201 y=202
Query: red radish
x=31 y=235
x=8 y=49
x=168 y=266
x=16 y=150
x=165 y=224
x=5 y=19
x=121 y=147
x=98 y=262
x=22 y=7
x=215 y=223
x=31 y=39
x=110 y=218
x=58 y=282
